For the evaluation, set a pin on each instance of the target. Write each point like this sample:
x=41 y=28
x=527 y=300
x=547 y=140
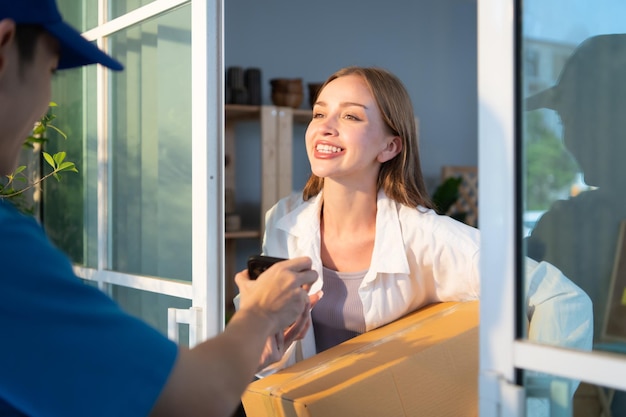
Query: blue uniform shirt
x=66 y=348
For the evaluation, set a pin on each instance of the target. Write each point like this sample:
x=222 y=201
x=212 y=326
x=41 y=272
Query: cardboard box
x=424 y=364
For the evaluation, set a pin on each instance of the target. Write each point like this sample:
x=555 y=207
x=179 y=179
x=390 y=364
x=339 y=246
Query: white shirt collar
x=388 y=255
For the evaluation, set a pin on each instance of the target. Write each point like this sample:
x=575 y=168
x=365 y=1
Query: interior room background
x=429 y=44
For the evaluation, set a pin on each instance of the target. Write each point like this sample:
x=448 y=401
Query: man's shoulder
x=7 y=211
x=12 y=222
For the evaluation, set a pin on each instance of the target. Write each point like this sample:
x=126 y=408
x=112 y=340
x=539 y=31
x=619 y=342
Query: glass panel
x=573 y=75
x=82 y=15
x=120 y=7
x=550 y=396
x=150 y=148
x=152 y=308
x=70 y=210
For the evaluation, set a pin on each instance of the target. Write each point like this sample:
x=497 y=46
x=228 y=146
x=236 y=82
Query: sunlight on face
x=347 y=133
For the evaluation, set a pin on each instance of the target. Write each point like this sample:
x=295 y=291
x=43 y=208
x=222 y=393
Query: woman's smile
x=325 y=150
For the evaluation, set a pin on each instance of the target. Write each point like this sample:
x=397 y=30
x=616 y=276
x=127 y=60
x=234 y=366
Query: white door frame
x=206 y=290
x=207 y=69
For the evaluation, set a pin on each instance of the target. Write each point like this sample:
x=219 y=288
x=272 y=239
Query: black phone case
x=257 y=264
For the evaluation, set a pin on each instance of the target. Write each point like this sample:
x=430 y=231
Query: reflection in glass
x=152 y=308
x=548 y=395
x=579 y=234
x=70 y=209
x=573 y=141
x=81 y=14
x=118 y=8
x=150 y=148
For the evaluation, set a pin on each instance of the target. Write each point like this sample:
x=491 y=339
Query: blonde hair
x=401 y=177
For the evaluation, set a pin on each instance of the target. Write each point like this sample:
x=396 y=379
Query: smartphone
x=257 y=264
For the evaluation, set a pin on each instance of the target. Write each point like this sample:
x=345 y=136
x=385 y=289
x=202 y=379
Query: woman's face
x=347 y=139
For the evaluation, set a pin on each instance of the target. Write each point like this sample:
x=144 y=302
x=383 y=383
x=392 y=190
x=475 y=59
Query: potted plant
x=446 y=195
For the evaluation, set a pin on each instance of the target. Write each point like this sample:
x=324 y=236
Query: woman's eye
x=351 y=117
x=317 y=115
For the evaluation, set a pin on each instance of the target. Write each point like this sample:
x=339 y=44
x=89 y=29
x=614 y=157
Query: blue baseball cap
x=596 y=67
x=75 y=50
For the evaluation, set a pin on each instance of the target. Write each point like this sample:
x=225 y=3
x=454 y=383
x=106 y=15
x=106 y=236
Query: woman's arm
x=559 y=312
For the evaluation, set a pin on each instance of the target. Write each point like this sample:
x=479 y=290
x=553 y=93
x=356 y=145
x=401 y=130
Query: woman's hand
x=276 y=345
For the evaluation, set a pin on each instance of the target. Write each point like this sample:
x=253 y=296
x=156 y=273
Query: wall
x=429 y=44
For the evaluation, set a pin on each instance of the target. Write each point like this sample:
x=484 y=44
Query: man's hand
x=279 y=293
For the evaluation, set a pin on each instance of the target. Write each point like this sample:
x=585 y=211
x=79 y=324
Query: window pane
x=152 y=308
x=70 y=210
x=81 y=14
x=574 y=208
x=547 y=395
x=119 y=7
x=150 y=148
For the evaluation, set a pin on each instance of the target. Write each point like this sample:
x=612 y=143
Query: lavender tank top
x=338 y=316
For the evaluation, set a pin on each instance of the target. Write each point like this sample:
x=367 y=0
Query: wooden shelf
x=276 y=136
x=243 y=234
x=242 y=112
x=302 y=116
x=239 y=112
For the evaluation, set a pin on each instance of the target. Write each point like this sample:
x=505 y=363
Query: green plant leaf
x=67 y=166
x=56 y=161
x=446 y=194
x=39 y=129
x=59 y=131
x=49 y=159
x=59 y=157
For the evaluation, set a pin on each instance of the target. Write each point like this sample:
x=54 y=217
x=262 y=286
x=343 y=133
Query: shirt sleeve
x=559 y=313
x=68 y=349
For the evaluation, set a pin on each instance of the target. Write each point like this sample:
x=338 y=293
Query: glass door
x=147 y=200
x=552 y=99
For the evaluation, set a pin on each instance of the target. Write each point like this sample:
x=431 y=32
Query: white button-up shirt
x=420 y=258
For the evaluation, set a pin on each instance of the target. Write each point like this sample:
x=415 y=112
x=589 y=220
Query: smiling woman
x=354 y=155
x=366 y=221
x=374 y=96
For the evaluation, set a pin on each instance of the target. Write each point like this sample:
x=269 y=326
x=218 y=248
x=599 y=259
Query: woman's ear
x=394 y=146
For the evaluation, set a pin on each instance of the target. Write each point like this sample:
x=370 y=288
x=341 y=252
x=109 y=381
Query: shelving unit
x=276 y=128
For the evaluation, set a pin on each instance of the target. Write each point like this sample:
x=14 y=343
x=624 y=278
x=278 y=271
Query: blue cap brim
x=76 y=51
